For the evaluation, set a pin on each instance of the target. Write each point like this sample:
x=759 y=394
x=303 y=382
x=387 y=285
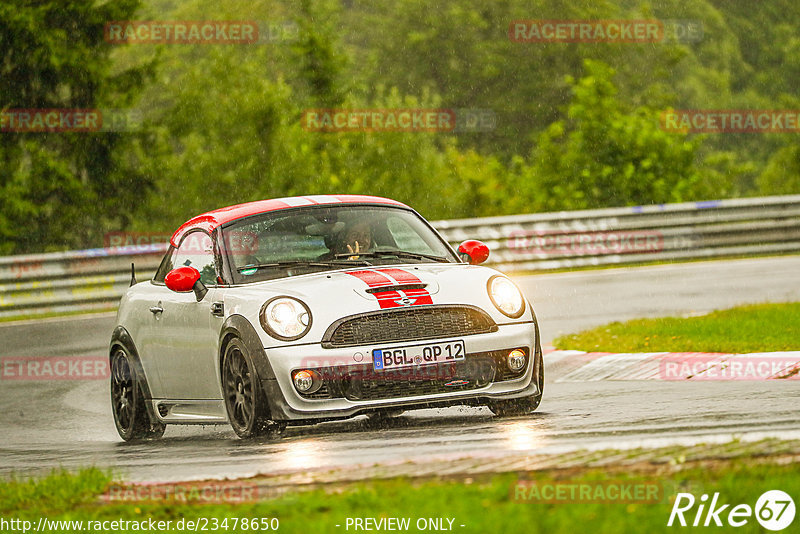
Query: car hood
x=332 y=295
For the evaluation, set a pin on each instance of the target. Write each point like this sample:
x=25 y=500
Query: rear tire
x=245 y=402
x=127 y=401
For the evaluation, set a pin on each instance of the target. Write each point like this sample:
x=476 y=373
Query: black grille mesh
x=361 y=382
x=424 y=322
x=464 y=376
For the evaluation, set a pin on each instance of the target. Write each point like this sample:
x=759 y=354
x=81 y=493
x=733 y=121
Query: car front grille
x=397 y=386
x=361 y=382
x=408 y=324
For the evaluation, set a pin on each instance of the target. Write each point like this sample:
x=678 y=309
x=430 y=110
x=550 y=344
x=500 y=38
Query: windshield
x=303 y=240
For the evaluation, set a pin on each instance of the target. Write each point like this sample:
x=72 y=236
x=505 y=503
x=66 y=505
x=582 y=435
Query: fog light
x=303 y=381
x=516 y=360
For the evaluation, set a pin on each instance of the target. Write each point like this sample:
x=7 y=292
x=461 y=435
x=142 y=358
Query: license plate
x=415 y=355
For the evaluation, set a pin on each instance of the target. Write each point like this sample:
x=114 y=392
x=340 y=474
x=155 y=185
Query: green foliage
x=747 y=58
x=61 y=189
x=577 y=123
x=603 y=156
x=782 y=174
x=225 y=139
x=320 y=62
x=461 y=51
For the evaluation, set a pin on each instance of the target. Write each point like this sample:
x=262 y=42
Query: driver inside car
x=357 y=239
x=354 y=239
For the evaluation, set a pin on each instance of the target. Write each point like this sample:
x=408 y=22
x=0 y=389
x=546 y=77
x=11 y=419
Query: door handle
x=156 y=309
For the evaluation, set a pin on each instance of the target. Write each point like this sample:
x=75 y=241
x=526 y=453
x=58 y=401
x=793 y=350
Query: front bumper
x=286 y=404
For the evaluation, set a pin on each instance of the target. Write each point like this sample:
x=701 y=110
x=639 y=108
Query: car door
x=184 y=337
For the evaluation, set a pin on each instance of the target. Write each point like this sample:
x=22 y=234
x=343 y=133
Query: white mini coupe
x=305 y=309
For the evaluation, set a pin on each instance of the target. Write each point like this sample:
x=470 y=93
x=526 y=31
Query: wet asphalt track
x=46 y=424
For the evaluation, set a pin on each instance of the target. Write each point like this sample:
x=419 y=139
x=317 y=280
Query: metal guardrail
x=92 y=279
x=95 y=279
x=665 y=232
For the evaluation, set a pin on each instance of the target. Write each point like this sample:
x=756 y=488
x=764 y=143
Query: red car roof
x=209 y=221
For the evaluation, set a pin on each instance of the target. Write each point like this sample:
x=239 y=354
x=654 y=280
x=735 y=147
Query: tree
x=61 y=189
x=782 y=174
x=602 y=155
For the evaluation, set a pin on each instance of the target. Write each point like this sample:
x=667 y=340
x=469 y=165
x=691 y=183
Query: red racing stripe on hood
x=386 y=299
x=391 y=298
x=419 y=296
x=372 y=278
x=404 y=277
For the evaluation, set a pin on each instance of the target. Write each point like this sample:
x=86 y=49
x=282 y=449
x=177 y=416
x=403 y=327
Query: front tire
x=525 y=405
x=509 y=408
x=245 y=402
x=382 y=417
x=127 y=401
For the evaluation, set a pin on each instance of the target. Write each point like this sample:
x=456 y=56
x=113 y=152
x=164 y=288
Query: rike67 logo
x=774 y=510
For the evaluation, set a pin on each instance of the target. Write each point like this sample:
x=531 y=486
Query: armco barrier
x=666 y=232
x=95 y=279
x=92 y=279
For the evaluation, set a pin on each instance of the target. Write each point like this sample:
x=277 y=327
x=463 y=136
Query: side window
x=165 y=266
x=196 y=250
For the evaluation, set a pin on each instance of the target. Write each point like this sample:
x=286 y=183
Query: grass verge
x=485 y=505
x=756 y=328
x=51 y=315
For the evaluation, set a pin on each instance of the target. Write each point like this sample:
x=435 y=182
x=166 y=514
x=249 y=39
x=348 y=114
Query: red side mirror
x=474 y=251
x=182 y=279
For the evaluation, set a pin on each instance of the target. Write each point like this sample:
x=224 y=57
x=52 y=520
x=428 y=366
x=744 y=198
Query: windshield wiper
x=302 y=263
x=398 y=253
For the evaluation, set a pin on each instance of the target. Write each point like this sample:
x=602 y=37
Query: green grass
x=483 y=505
x=756 y=328
x=49 y=315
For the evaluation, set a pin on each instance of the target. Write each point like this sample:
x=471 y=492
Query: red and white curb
x=579 y=366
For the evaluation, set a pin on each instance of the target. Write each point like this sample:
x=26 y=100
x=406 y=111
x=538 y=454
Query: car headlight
x=505 y=296
x=285 y=318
